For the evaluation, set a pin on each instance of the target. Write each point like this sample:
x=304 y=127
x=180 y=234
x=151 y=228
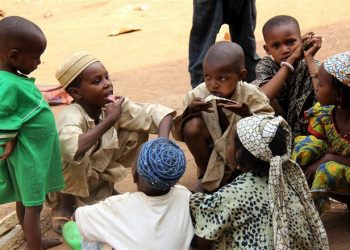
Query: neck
x=93 y=111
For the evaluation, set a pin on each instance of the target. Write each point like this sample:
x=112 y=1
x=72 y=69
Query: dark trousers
x=208 y=16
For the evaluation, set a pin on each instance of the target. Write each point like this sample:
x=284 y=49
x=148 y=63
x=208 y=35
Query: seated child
x=325 y=154
x=30 y=163
x=99 y=134
x=268 y=206
x=204 y=126
x=155 y=217
x=286 y=76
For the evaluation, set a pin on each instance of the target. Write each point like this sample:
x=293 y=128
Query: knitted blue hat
x=161 y=163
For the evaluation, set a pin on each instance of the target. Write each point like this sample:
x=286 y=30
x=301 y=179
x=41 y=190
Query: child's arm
x=315 y=43
x=88 y=139
x=273 y=87
x=165 y=126
x=8 y=148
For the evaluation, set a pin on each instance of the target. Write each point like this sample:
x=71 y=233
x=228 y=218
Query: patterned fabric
x=330 y=177
x=308 y=149
x=238 y=216
x=339 y=67
x=161 y=163
x=261 y=129
x=297 y=94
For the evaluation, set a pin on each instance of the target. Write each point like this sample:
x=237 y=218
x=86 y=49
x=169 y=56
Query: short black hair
x=277 y=21
x=16 y=31
x=258 y=167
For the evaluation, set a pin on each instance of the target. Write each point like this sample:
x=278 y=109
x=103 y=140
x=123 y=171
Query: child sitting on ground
x=30 y=163
x=204 y=126
x=268 y=206
x=284 y=75
x=99 y=134
x=325 y=154
x=155 y=217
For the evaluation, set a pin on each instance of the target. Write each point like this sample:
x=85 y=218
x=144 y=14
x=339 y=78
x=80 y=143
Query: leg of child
x=198 y=140
x=29 y=219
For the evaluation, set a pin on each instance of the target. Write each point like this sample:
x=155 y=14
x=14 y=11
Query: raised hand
x=114 y=109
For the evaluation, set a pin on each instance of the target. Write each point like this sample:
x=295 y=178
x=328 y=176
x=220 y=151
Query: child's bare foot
x=50 y=242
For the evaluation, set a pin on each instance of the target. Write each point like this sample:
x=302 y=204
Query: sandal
x=71 y=235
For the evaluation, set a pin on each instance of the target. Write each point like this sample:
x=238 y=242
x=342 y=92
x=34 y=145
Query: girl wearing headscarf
x=267 y=207
x=325 y=154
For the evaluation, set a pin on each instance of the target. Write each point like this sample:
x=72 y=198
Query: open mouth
x=110 y=98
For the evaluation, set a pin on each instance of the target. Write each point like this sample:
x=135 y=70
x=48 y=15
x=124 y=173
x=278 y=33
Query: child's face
x=220 y=78
x=95 y=86
x=281 y=41
x=325 y=91
x=27 y=59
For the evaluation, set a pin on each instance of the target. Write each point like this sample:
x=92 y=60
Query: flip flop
x=71 y=235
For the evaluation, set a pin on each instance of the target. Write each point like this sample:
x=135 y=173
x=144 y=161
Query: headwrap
x=161 y=163
x=255 y=133
x=339 y=66
x=73 y=66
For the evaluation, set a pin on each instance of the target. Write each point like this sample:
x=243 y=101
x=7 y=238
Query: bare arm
x=88 y=139
x=315 y=42
x=165 y=126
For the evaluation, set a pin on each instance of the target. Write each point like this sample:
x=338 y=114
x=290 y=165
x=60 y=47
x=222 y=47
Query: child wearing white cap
x=99 y=134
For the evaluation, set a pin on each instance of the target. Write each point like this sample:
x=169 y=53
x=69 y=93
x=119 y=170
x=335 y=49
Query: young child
x=204 y=126
x=325 y=154
x=286 y=76
x=30 y=164
x=99 y=134
x=155 y=217
x=268 y=206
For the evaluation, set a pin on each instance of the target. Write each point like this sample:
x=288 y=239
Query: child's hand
x=198 y=105
x=311 y=44
x=240 y=109
x=8 y=148
x=296 y=55
x=114 y=109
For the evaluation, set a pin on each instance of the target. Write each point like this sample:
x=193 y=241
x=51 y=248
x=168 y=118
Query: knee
x=194 y=128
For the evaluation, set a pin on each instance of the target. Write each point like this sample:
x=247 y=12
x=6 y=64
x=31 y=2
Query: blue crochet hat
x=161 y=163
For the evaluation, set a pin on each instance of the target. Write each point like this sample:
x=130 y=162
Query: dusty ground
x=151 y=65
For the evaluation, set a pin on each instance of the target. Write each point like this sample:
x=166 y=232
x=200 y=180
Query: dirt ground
x=150 y=65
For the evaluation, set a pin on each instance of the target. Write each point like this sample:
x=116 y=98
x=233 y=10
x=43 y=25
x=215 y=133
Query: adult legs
x=242 y=21
x=206 y=22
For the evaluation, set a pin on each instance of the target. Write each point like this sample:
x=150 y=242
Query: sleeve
x=70 y=127
x=217 y=212
x=143 y=116
x=258 y=101
x=318 y=116
x=10 y=119
x=265 y=70
x=93 y=221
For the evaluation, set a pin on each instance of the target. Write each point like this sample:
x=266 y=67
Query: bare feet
x=50 y=242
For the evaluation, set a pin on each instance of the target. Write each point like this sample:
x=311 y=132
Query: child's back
x=156 y=217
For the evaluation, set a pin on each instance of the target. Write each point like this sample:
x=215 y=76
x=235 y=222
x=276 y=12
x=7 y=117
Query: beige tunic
x=92 y=177
x=258 y=104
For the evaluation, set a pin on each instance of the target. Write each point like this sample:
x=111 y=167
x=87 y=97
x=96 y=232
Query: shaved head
x=228 y=53
x=17 y=32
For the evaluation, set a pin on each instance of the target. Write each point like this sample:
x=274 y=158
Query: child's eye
x=206 y=77
x=275 y=45
x=96 y=80
x=107 y=77
x=221 y=78
x=290 y=42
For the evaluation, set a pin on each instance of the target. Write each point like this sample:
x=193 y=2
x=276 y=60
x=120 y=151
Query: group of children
x=252 y=194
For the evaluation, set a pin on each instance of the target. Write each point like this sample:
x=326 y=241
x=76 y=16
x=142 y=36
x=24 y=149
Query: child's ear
x=74 y=92
x=12 y=56
x=266 y=48
x=243 y=74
